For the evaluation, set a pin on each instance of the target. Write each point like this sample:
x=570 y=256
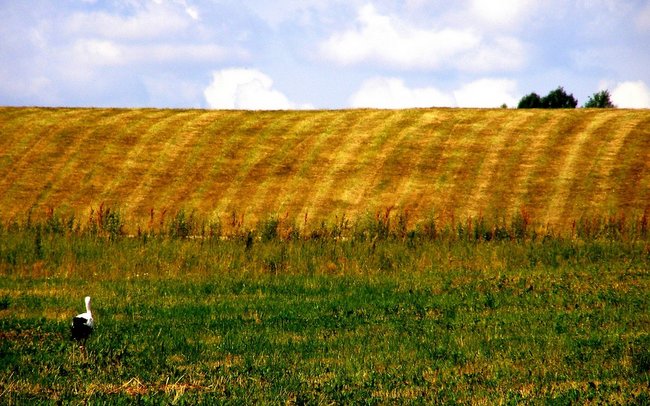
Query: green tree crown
x=601 y=100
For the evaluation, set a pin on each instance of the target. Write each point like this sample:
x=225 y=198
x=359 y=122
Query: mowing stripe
x=428 y=174
x=176 y=187
x=225 y=149
x=128 y=171
x=480 y=137
x=194 y=175
x=331 y=195
x=281 y=138
x=276 y=194
x=489 y=175
x=603 y=144
x=631 y=192
x=363 y=186
x=246 y=146
x=518 y=180
x=561 y=190
x=395 y=183
x=163 y=174
x=77 y=184
x=147 y=162
x=605 y=182
x=261 y=146
x=29 y=181
x=28 y=145
x=312 y=166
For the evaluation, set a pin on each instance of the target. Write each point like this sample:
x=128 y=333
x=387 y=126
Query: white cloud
x=191 y=11
x=150 y=32
x=634 y=95
x=502 y=13
x=504 y=53
x=92 y=53
x=487 y=93
x=398 y=44
x=97 y=52
x=384 y=39
x=152 y=21
x=305 y=12
x=392 y=93
x=181 y=52
x=247 y=89
x=383 y=92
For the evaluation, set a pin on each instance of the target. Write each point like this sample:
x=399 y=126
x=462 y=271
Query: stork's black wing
x=80 y=330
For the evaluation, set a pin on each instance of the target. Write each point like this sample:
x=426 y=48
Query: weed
x=182 y=225
x=5 y=302
x=640 y=354
x=269 y=229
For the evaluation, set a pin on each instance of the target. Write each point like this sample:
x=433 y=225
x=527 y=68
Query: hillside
x=556 y=165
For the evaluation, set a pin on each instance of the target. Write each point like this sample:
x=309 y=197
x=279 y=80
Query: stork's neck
x=88 y=304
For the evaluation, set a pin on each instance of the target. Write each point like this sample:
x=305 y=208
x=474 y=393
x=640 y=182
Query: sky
x=320 y=54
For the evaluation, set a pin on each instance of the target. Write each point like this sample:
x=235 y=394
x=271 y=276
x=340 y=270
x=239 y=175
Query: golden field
x=310 y=166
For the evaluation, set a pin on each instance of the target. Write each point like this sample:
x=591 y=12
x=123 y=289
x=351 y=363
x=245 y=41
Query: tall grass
x=185 y=244
x=388 y=224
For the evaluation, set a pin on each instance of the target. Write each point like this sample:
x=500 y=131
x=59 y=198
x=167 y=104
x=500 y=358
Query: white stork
x=82 y=324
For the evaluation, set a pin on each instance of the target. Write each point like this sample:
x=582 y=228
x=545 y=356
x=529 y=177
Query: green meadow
x=350 y=313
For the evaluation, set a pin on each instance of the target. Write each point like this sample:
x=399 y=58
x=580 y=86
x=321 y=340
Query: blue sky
x=290 y=54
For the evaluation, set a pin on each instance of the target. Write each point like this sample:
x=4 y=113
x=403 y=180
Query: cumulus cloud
x=392 y=93
x=635 y=95
x=383 y=92
x=487 y=93
x=246 y=89
x=389 y=40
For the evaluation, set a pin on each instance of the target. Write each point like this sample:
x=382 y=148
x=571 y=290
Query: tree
x=601 y=100
x=530 y=101
x=556 y=99
x=559 y=99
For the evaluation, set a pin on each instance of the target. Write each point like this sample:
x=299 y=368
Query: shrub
x=559 y=99
x=600 y=100
x=555 y=99
x=530 y=101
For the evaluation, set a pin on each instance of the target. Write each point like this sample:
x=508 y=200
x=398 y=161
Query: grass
x=376 y=317
x=355 y=256
x=558 y=165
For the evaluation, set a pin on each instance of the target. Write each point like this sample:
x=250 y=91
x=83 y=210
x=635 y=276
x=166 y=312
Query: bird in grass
x=82 y=324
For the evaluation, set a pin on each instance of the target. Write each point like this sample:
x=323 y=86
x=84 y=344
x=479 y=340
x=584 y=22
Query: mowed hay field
x=556 y=165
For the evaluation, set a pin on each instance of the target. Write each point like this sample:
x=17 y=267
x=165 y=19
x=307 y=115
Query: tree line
x=560 y=99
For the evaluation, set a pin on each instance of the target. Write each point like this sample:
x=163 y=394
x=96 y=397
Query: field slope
x=556 y=165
